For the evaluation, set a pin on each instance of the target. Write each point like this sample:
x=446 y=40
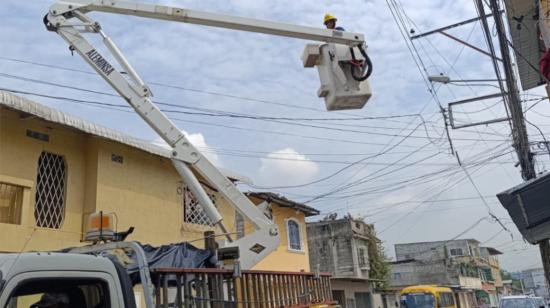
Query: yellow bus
x=427 y=297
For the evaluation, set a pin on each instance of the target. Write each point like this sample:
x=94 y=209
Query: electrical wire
x=280 y=120
x=126 y=109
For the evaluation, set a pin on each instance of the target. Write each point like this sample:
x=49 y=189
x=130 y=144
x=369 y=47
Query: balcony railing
x=217 y=288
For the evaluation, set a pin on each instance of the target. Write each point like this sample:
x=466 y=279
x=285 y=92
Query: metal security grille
x=239 y=225
x=49 y=210
x=362 y=257
x=192 y=210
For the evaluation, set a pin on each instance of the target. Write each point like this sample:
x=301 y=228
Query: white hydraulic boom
x=69 y=20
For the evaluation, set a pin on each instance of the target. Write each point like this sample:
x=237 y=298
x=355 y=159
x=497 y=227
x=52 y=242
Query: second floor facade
x=461 y=263
x=340 y=247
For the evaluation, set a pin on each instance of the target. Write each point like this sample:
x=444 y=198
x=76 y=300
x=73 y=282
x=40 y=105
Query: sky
x=390 y=163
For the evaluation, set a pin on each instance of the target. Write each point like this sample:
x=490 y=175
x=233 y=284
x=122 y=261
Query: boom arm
x=185 y=157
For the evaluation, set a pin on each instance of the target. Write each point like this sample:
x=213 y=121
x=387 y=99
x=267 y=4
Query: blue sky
x=408 y=183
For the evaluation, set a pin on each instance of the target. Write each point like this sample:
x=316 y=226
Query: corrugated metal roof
x=46 y=113
x=523 y=24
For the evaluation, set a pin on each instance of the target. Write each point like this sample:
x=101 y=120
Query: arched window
x=294 y=235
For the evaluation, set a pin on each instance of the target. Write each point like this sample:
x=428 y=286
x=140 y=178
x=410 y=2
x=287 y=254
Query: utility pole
x=513 y=102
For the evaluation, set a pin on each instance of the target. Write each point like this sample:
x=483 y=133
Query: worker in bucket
x=330 y=22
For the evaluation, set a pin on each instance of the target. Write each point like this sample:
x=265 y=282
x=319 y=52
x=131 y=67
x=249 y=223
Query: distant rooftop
x=441 y=242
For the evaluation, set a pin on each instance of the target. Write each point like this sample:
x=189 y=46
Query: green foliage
x=505 y=275
x=379 y=262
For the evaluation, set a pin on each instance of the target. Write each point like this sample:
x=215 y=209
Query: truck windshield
x=516 y=303
x=418 y=300
x=539 y=302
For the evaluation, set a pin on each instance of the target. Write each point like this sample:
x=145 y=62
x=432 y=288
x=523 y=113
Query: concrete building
x=341 y=247
x=534 y=282
x=56 y=169
x=472 y=271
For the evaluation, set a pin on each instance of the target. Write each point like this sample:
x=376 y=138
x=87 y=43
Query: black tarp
x=179 y=255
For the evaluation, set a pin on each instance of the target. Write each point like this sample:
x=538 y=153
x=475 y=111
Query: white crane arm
x=208 y=19
x=69 y=20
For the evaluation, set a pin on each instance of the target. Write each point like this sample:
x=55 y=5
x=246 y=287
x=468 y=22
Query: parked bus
x=427 y=297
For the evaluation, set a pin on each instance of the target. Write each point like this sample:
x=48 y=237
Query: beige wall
x=143 y=191
x=352 y=287
x=283 y=259
x=18 y=162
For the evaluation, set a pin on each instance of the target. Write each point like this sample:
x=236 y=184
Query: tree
x=378 y=261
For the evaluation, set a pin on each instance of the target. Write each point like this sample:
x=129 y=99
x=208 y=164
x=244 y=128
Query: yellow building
x=56 y=169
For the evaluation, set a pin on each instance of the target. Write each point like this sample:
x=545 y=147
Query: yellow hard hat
x=329 y=17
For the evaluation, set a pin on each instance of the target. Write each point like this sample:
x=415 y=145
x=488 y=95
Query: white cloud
x=287 y=167
x=198 y=141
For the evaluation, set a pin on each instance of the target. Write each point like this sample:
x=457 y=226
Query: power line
x=448 y=177
x=420 y=64
x=350 y=115
x=339 y=170
x=126 y=109
x=169 y=86
x=340 y=162
x=369 y=178
x=481 y=196
x=222 y=113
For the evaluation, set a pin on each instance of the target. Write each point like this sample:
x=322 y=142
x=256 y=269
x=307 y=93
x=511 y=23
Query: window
x=446 y=299
x=350 y=302
x=339 y=296
x=362 y=257
x=192 y=210
x=239 y=225
x=363 y=299
x=82 y=293
x=456 y=252
x=49 y=210
x=294 y=235
x=11 y=200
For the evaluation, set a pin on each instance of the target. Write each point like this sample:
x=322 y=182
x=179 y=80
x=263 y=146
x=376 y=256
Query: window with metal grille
x=456 y=252
x=294 y=236
x=362 y=256
x=49 y=210
x=239 y=225
x=192 y=210
x=11 y=200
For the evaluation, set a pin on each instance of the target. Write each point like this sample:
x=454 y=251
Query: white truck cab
x=83 y=280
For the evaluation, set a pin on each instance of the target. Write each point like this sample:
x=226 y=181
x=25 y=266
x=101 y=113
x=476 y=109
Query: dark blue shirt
x=339 y=29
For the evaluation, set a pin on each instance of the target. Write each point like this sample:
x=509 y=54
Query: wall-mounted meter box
x=335 y=64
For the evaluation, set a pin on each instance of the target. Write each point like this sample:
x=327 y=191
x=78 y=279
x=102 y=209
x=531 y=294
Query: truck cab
x=78 y=280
